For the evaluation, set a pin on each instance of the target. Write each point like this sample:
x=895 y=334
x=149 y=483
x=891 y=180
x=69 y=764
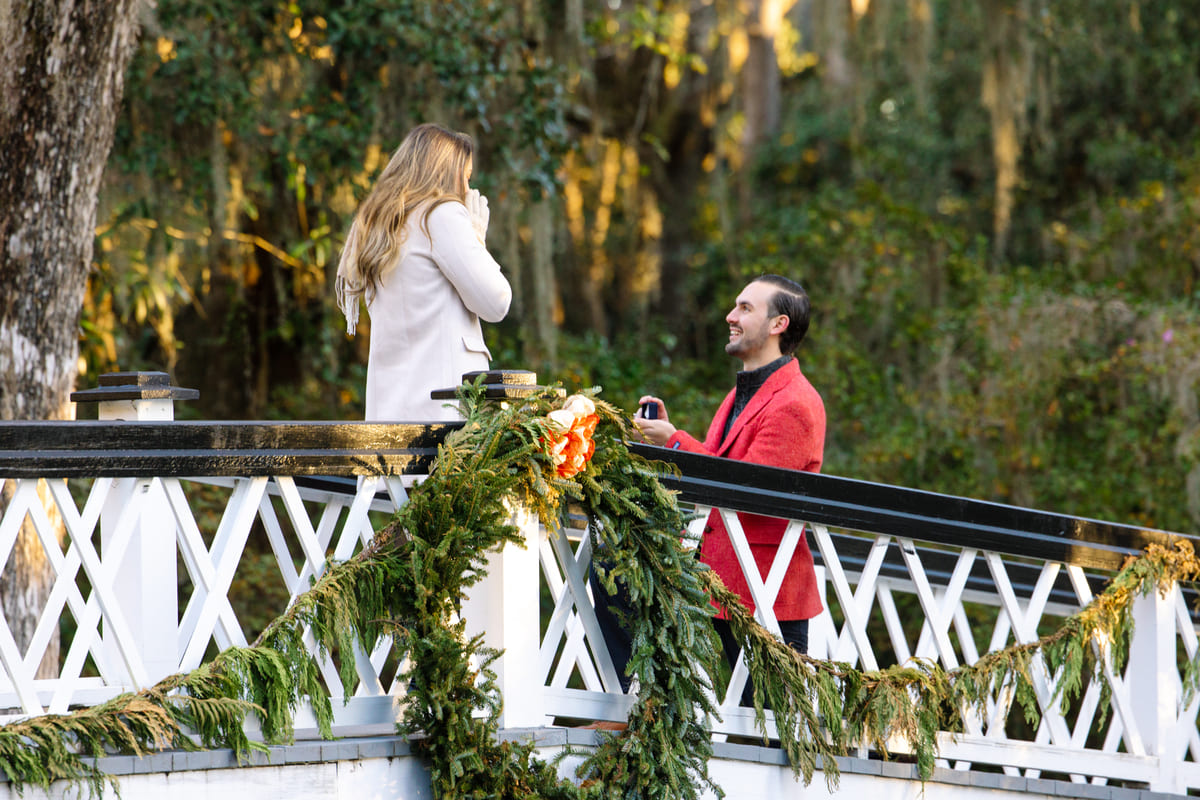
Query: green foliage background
x=1053 y=364
x=1047 y=358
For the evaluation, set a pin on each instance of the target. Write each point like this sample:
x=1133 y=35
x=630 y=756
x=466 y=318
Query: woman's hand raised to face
x=477 y=207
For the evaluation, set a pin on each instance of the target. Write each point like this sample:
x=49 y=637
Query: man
x=773 y=416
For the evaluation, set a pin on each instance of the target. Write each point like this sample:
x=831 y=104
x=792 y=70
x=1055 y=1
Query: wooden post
x=1153 y=679
x=505 y=606
x=144 y=575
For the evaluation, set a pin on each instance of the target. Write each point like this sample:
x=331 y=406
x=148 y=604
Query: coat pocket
x=474 y=344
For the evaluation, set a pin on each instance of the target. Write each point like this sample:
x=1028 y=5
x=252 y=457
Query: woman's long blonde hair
x=429 y=165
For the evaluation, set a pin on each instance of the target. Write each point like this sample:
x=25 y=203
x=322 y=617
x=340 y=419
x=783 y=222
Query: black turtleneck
x=749 y=382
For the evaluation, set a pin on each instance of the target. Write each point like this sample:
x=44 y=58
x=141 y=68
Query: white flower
x=561 y=420
x=580 y=406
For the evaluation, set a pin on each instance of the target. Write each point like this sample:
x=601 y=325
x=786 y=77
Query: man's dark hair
x=790 y=299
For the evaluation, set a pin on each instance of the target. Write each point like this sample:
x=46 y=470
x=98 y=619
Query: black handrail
x=198 y=449
x=117 y=449
x=912 y=513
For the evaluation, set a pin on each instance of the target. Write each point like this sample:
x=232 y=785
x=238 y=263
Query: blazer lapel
x=712 y=439
x=758 y=402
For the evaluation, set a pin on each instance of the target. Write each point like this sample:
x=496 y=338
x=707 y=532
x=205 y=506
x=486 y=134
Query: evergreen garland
x=409 y=583
x=442 y=536
x=637 y=525
x=914 y=701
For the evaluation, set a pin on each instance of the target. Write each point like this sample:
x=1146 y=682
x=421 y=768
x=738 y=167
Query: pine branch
x=409 y=581
x=916 y=701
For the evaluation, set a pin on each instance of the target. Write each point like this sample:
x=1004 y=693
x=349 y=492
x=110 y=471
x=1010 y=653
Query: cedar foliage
x=913 y=702
x=440 y=539
x=408 y=583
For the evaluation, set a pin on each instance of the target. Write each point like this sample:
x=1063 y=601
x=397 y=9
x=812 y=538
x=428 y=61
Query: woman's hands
x=477 y=208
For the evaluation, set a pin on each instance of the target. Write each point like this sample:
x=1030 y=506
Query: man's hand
x=655 y=431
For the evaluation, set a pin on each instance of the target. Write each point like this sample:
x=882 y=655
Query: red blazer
x=783 y=425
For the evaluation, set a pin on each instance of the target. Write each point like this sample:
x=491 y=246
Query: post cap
x=499 y=384
x=134 y=386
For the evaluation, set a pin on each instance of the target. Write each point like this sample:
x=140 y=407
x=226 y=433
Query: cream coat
x=425 y=316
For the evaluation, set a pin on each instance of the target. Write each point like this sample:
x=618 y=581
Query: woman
x=415 y=253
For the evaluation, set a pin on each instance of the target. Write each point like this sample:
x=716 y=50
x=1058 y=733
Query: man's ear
x=779 y=324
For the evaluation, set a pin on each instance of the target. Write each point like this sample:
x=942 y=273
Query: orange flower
x=570 y=444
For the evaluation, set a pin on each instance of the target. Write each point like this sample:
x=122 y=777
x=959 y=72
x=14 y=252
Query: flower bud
x=579 y=405
x=560 y=420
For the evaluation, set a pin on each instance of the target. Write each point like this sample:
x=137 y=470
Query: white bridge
x=158 y=514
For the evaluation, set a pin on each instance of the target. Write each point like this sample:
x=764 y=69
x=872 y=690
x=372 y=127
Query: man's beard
x=748 y=343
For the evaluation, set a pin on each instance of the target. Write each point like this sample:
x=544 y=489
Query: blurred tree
x=934 y=163
x=760 y=83
x=654 y=93
x=62 y=71
x=1007 y=75
x=251 y=131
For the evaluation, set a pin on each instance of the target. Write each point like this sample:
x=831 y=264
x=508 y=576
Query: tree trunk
x=760 y=75
x=685 y=125
x=832 y=22
x=1007 y=76
x=546 y=314
x=62 y=70
x=760 y=92
x=919 y=30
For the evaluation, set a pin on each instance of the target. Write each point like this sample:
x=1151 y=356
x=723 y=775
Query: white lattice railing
x=141 y=588
x=151 y=576
x=1145 y=736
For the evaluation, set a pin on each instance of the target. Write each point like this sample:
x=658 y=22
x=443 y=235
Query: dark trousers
x=612 y=610
x=795 y=635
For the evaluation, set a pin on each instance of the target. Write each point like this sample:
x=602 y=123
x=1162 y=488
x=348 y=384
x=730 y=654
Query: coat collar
x=778 y=380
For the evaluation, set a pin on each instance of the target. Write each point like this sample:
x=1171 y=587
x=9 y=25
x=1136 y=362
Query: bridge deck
x=384 y=766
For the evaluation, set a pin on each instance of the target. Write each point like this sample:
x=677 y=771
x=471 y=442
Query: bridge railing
x=153 y=571
x=913 y=574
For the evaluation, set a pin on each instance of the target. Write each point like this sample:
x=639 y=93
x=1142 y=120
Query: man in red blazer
x=772 y=416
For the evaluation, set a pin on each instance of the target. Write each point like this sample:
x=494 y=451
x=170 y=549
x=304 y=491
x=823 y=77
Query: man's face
x=750 y=322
